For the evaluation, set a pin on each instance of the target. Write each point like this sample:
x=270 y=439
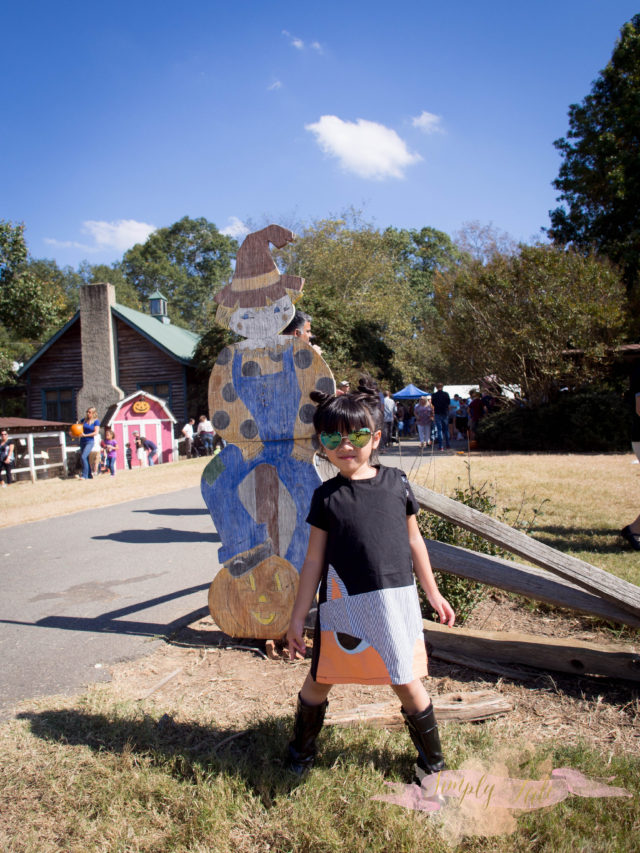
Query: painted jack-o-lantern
x=257 y=603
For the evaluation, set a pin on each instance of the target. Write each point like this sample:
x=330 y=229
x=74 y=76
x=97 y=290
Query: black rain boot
x=306 y=728
x=423 y=731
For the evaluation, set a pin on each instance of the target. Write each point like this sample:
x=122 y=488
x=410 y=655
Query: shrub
x=462 y=594
x=585 y=421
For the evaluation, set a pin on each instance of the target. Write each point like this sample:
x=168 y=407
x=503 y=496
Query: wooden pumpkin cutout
x=257 y=603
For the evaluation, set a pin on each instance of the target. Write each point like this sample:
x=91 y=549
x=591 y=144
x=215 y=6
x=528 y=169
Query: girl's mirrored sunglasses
x=333 y=440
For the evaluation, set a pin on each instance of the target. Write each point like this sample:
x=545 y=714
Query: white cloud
x=294 y=40
x=236 y=228
x=427 y=122
x=68 y=244
x=366 y=148
x=299 y=44
x=275 y=85
x=121 y=235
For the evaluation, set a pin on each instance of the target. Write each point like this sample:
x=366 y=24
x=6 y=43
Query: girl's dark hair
x=347 y=412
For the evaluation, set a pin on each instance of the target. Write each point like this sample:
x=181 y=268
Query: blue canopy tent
x=409 y=392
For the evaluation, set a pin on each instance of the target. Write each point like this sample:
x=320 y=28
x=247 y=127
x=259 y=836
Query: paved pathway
x=82 y=591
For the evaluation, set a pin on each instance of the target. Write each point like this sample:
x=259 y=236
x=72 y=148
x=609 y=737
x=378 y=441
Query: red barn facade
x=151 y=418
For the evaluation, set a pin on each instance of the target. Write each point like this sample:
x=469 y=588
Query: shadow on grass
x=572 y=539
x=190 y=751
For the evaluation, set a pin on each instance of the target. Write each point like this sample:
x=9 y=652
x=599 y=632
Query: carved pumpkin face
x=256 y=604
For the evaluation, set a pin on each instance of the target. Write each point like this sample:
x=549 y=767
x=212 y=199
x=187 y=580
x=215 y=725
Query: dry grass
x=583 y=500
x=27 y=501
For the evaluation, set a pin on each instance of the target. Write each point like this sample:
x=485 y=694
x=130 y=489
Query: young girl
x=363 y=544
x=110 y=445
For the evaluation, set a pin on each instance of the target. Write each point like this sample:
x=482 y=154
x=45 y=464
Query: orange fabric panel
x=337 y=667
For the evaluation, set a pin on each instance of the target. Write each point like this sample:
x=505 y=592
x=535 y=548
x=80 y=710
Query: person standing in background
x=187 y=431
x=440 y=401
x=632 y=531
x=6 y=457
x=90 y=429
x=423 y=413
x=300 y=327
x=206 y=433
x=388 y=417
x=462 y=420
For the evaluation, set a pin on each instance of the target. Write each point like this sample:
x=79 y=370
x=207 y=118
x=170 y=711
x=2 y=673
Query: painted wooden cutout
x=258 y=489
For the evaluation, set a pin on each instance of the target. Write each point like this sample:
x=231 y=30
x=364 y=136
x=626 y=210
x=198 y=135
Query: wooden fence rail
x=599 y=583
x=524 y=580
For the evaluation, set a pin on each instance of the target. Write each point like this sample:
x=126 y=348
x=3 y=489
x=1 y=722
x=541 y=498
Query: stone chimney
x=99 y=387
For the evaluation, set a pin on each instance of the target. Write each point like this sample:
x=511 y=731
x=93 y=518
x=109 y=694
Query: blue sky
x=117 y=117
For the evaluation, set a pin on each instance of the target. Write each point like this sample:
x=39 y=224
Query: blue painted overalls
x=239 y=532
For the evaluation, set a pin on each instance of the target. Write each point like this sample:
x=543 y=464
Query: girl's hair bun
x=320 y=397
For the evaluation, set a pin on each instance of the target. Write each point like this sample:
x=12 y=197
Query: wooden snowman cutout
x=258 y=489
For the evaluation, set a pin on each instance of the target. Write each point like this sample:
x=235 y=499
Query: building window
x=162 y=390
x=58 y=405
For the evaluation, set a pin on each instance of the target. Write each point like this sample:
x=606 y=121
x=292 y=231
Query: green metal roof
x=175 y=341
x=178 y=342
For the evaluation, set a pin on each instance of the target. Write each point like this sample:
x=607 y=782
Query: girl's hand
x=444 y=610
x=295 y=640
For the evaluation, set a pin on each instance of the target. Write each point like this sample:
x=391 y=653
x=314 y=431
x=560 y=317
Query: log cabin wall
x=139 y=362
x=60 y=367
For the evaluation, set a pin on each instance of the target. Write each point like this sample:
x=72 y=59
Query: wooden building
x=107 y=352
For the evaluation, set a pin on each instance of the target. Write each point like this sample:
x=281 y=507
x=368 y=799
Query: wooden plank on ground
x=597 y=581
x=458 y=707
x=525 y=580
x=485 y=666
x=546 y=653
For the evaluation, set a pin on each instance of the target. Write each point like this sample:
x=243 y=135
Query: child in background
x=364 y=546
x=128 y=454
x=109 y=446
x=141 y=453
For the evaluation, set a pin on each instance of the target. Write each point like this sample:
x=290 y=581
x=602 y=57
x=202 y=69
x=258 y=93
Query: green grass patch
x=97 y=777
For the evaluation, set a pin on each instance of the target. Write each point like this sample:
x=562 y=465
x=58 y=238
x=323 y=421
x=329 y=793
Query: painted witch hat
x=257 y=281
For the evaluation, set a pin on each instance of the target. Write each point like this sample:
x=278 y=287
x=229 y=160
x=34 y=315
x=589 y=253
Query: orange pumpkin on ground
x=257 y=603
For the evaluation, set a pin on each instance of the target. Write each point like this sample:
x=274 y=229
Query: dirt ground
x=202 y=673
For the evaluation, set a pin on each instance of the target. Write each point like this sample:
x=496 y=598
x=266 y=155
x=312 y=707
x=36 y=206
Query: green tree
x=599 y=179
x=125 y=292
x=29 y=306
x=540 y=318
x=61 y=282
x=360 y=306
x=418 y=255
x=188 y=262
